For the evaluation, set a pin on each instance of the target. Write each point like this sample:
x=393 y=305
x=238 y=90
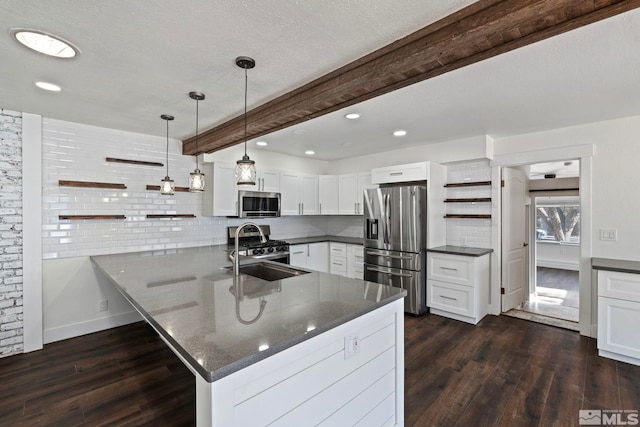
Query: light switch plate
x=609 y=235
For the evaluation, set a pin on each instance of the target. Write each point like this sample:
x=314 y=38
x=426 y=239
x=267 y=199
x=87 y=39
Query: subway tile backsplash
x=78 y=152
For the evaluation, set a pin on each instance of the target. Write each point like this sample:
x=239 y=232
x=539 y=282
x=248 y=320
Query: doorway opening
x=553 y=225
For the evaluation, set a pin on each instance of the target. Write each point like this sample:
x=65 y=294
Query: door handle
x=379 y=270
x=525 y=244
x=388 y=256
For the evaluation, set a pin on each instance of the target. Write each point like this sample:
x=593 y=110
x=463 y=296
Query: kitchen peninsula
x=313 y=348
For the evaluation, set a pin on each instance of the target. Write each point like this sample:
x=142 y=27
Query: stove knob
x=257 y=251
x=270 y=249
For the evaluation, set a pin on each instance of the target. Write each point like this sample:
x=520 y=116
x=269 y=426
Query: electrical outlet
x=351 y=346
x=103 y=305
x=609 y=235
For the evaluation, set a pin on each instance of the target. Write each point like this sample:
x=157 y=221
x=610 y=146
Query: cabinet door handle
x=302 y=208
x=299 y=252
x=379 y=270
x=320 y=206
x=449 y=268
x=449 y=298
x=388 y=256
x=395 y=173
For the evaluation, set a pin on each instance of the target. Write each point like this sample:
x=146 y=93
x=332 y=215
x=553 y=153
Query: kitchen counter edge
x=461 y=250
x=620 y=265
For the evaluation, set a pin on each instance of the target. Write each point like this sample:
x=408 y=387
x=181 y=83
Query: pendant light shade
x=167 y=186
x=196 y=178
x=245 y=167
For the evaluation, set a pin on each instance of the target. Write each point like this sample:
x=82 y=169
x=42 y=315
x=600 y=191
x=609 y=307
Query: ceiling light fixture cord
x=167 y=151
x=245 y=110
x=197 y=115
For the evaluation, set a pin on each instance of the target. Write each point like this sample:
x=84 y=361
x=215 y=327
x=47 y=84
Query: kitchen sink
x=271 y=272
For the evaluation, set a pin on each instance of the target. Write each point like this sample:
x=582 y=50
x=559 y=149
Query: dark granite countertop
x=189 y=297
x=316 y=239
x=460 y=250
x=620 y=265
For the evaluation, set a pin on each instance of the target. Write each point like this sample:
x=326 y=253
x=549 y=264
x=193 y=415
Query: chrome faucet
x=233 y=256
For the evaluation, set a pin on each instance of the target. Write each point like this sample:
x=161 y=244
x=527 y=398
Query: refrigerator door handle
x=386 y=221
x=379 y=270
x=389 y=256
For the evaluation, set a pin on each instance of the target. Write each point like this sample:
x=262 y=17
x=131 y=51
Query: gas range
x=250 y=244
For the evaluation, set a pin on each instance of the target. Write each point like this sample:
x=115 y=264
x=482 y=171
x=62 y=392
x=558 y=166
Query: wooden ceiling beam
x=482 y=30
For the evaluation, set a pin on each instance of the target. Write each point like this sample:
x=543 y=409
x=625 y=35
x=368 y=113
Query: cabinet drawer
x=450 y=268
x=613 y=284
x=339 y=249
x=338 y=265
x=450 y=297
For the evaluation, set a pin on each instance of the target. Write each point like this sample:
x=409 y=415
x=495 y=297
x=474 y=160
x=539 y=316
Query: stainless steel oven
x=250 y=245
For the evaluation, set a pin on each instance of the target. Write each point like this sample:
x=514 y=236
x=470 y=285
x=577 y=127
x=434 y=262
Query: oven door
x=412 y=281
x=258 y=204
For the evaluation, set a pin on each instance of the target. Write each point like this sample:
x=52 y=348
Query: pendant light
x=245 y=167
x=196 y=178
x=167 y=186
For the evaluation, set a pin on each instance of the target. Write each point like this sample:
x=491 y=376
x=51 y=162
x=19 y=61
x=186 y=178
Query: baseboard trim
x=90 y=326
x=558 y=264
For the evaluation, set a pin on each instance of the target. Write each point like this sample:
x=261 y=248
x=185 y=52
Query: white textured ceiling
x=140 y=59
x=139 y=62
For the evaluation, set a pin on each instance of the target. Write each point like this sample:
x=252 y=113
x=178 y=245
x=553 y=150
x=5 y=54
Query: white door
x=298 y=255
x=269 y=181
x=514 y=238
x=225 y=190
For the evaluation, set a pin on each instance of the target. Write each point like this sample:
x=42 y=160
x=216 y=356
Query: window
x=558 y=219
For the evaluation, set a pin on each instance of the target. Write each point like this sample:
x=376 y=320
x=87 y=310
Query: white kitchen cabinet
x=328 y=186
x=220 y=196
x=268 y=180
x=314 y=256
x=351 y=190
x=458 y=286
x=355 y=261
x=401 y=173
x=338 y=258
x=318 y=256
x=619 y=316
x=298 y=194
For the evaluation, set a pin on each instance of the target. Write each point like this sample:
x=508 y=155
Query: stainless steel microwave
x=258 y=204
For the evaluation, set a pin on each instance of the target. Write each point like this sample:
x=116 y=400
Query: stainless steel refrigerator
x=395 y=239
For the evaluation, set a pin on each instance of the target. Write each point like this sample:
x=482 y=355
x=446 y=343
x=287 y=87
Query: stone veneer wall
x=11 y=320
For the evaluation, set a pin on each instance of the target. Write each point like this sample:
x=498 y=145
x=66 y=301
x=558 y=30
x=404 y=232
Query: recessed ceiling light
x=48 y=86
x=45 y=43
x=399 y=132
x=352 y=116
x=309 y=152
x=261 y=143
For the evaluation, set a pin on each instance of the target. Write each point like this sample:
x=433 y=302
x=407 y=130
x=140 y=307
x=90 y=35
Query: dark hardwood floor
x=504 y=371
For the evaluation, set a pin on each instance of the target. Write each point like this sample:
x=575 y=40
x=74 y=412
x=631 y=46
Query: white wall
x=269 y=160
x=556 y=255
x=615 y=201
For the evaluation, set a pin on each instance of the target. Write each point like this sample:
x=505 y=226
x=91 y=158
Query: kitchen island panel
x=315 y=382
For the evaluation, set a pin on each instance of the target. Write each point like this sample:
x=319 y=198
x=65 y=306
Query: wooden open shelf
x=469 y=200
x=171 y=216
x=89 y=184
x=134 y=162
x=468 y=184
x=91 y=217
x=469 y=216
x=177 y=189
